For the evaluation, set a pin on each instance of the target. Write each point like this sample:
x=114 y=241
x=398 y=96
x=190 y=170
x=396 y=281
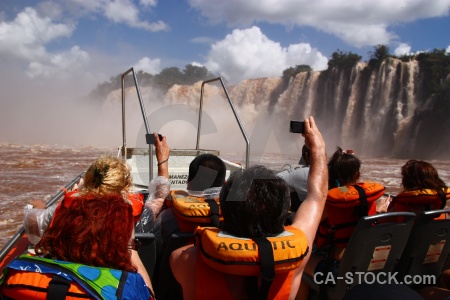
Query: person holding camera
x=255 y=204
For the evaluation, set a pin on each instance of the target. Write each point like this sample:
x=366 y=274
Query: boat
x=143 y=169
x=142 y=162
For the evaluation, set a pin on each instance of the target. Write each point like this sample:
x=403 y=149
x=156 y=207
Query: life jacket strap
x=363 y=209
x=336 y=227
x=123 y=279
x=333 y=229
x=267 y=266
x=57 y=288
x=443 y=198
x=214 y=211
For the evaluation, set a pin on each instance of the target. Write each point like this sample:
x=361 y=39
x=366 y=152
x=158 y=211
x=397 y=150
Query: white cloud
x=51 y=9
x=197 y=64
x=26 y=36
x=303 y=54
x=448 y=49
x=26 y=39
x=61 y=64
x=87 y=5
x=361 y=23
x=118 y=11
x=151 y=66
x=402 y=49
x=124 y=11
x=248 y=53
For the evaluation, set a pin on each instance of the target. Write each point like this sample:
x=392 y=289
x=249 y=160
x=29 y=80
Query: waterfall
x=377 y=111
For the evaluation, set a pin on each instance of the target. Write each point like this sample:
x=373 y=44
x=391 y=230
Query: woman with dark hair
x=419 y=174
x=423 y=189
x=348 y=200
x=343 y=168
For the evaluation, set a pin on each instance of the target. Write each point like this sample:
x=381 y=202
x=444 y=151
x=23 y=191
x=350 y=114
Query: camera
x=297 y=127
x=150 y=138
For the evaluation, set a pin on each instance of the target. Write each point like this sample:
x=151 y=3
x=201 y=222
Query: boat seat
x=147 y=251
x=374 y=246
x=428 y=248
x=165 y=284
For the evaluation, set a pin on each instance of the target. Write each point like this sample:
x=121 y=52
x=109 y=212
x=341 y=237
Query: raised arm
x=159 y=187
x=310 y=212
x=162 y=155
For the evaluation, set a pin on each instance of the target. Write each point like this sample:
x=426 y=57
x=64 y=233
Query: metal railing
x=247 y=153
x=144 y=116
x=124 y=145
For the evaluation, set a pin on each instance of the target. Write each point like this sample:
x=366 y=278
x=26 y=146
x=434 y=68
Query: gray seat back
x=147 y=251
x=165 y=284
x=375 y=246
x=428 y=247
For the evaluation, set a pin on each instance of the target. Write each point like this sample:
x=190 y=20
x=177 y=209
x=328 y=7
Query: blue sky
x=73 y=45
x=236 y=39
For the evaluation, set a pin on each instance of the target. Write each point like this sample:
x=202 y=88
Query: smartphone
x=297 y=127
x=150 y=138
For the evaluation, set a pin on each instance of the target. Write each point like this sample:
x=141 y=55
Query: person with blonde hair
x=110 y=176
x=107 y=175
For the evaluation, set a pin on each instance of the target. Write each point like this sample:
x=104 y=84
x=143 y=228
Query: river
x=38 y=172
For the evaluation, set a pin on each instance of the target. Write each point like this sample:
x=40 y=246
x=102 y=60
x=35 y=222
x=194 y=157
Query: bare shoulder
x=183 y=259
x=183 y=263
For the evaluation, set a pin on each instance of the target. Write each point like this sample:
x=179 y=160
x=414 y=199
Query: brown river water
x=38 y=172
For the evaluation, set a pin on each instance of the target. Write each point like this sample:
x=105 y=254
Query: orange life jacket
x=345 y=205
x=421 y=200
x=29 y=285
x=136 y=199
x=32 y=277
x=192 y=211
x=222 y=254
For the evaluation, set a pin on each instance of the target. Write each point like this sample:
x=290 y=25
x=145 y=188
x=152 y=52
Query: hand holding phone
x=297 y=127
x=150 y=138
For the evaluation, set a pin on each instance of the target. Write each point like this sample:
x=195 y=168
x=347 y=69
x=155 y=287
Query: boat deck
x=138 y=160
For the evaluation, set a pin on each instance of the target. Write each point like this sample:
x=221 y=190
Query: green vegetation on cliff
x=435 y=65
x=163 y=81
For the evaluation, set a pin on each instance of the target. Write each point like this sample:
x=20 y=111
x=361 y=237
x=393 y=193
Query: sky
x=73 y=45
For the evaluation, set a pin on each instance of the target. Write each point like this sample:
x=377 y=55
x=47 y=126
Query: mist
x=58 y=112
x=54 y=111
x=176 y=114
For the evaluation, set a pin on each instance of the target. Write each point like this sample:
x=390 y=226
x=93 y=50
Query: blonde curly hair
x=107 y=175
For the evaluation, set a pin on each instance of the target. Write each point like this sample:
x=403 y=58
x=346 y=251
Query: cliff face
x=369 y=110
x=386 y=111
x=379 y=112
